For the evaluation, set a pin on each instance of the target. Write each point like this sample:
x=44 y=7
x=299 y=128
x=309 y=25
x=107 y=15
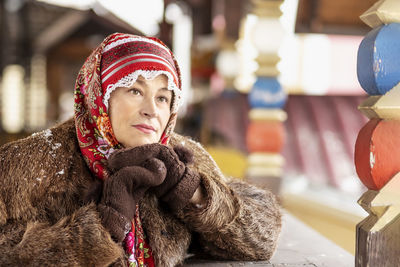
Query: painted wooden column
x=377 y=148
x=266 y=132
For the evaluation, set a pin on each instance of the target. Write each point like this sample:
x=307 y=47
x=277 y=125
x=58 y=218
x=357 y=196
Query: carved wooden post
x=266 y=133
x=377 y=150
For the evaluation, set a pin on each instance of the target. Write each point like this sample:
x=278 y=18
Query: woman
x=116 y=186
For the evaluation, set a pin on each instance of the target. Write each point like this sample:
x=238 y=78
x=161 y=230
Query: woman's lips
x=144 y=128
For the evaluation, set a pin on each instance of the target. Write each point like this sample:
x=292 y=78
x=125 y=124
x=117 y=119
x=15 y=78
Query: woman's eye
x=163 y=99
x=134 y=91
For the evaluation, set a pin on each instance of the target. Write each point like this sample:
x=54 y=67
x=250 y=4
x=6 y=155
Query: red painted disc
x=377 y=153
x=265 y=136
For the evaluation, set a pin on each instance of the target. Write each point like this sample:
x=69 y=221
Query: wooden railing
x=377 y=153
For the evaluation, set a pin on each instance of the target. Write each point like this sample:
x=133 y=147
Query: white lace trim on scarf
x=132 y=39
x=131 y=78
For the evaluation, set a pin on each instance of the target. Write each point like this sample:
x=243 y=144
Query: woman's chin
x=141 y=142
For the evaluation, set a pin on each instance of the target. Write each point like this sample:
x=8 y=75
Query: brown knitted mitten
x=180 y=183
x=122 y=191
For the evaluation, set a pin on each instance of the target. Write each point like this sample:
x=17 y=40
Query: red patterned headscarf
x=117 y=62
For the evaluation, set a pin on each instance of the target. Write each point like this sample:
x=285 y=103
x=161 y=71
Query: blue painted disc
x=267 y=92
x=378 y=59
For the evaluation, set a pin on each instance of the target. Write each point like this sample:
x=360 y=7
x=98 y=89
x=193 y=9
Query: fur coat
x=44 y=220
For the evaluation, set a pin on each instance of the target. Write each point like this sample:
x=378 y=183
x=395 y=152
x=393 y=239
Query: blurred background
x=270 y=86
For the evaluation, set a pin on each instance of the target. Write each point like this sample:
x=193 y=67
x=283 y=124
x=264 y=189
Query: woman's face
x=140 y=113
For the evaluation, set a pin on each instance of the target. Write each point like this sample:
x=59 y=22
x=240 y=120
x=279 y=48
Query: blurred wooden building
x=47 y=44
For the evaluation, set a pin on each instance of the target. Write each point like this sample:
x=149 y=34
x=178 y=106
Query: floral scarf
x=93 y=125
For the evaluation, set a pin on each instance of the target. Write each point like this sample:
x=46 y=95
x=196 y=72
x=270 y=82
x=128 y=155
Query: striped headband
x=126 y=57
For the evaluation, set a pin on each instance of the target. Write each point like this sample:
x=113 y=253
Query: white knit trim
x=131 y=78
x=132 y=39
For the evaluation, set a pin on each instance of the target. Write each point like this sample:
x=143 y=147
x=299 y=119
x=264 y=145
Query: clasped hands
x=157 y=168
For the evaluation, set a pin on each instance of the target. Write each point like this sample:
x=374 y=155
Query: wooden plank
x=367 y=106
x=378 y=235
x=342 y=11
x=331 y=213
x=56 y=31
x=384 y=107
x=327 y=16
x=382 y=12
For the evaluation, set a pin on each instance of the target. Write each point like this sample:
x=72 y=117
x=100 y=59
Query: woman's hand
x=123 y=189
x=181 y=182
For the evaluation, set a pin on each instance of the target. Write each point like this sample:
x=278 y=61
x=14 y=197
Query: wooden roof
x=332 y=16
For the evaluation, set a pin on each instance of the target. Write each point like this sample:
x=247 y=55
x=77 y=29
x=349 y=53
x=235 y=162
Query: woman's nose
x=149 y=108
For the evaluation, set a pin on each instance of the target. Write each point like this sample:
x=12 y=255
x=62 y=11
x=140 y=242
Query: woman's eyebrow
x=141 y=82
x=165 y=90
